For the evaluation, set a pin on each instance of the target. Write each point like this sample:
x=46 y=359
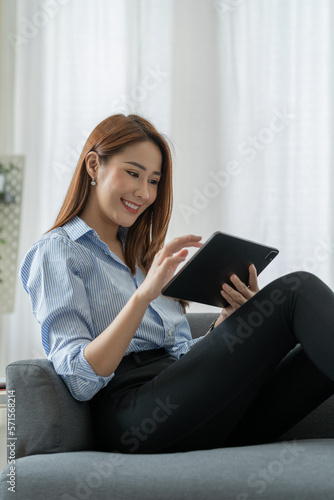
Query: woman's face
x=127 y=185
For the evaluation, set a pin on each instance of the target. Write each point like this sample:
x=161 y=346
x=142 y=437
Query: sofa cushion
x=300 y=470
x=47 y=418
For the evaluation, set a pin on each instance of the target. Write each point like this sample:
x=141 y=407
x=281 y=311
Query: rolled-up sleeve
x=51 y=274
x=183 y=341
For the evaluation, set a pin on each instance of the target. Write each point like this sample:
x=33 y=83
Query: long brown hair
x=147 y=235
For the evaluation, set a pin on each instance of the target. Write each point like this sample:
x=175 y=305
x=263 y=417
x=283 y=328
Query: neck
x=107 y=231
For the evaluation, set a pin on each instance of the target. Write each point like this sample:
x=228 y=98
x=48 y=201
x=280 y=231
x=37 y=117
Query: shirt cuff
x=84 y=383
x=183 y=348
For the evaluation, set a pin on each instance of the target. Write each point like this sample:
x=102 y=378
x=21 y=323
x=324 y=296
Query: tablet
x=202 y=277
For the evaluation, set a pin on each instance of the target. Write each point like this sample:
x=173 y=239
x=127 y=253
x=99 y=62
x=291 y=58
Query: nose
x=142 y=191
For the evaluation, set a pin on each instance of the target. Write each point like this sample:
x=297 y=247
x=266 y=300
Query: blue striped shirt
x=77 y=286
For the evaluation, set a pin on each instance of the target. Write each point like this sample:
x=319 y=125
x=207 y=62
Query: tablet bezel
x=188 y=282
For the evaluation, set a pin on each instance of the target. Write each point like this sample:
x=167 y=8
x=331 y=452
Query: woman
x=95 y=282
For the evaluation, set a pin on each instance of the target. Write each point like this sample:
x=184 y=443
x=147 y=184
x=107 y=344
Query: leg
x=295 y=388
x=222 y=375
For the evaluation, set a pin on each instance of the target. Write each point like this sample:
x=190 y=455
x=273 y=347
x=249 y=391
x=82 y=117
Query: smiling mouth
x=131 y=207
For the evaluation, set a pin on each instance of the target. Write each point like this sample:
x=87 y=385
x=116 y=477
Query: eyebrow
x=142 y=167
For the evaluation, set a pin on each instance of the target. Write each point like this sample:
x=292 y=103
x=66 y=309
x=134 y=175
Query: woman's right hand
x=106 y=351
x=165 y=263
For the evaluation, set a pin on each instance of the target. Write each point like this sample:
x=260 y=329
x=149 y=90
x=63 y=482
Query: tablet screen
x=201 y=278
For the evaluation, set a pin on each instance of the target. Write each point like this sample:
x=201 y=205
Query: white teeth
x=131 y=205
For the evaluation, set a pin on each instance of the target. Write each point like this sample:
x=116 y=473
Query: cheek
x=117 y=185
x=124 y=184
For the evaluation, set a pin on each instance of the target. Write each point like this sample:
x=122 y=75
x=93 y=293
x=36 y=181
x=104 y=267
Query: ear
x=92 y=163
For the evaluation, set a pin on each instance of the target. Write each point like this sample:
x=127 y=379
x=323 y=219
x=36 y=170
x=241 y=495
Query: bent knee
x=297 y=279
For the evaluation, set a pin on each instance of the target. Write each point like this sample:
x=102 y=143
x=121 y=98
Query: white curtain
x=241 y=87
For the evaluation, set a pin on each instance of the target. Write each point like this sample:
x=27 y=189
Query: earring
x=93 y=183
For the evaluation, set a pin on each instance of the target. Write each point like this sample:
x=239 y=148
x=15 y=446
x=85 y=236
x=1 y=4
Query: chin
x=127 y=223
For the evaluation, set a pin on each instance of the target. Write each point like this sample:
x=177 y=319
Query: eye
x=133 y=174
x=153 y=181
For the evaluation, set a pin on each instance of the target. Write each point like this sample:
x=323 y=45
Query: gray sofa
x=52 y=441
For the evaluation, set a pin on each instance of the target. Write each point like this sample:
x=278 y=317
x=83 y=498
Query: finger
x=240 y=286
x=170 y=265
x=180 y=242
x=253 y=282
x=233 y=301
x=234 y=294
x=174 y=259
x=160 y=257
x=182 y=253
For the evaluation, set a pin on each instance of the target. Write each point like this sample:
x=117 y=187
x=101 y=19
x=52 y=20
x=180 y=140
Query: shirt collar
x=76 y=228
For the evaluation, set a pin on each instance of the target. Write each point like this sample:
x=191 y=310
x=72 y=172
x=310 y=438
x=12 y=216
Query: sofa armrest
x=200 y=322
x=47 y=418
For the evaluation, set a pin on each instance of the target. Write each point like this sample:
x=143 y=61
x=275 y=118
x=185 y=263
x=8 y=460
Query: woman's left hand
x=236 y=298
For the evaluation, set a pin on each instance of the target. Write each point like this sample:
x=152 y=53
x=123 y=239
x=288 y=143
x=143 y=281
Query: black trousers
x=252 y=378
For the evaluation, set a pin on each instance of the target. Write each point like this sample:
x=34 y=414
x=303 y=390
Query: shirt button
x=170 y=333
x=106 y=253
